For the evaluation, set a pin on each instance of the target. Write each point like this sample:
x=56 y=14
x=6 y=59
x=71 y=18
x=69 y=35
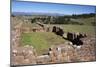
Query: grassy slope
x=77 y=28
x=86 y=21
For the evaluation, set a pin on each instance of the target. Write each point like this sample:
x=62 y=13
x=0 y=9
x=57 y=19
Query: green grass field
x=79 y=28
x=86 y=21
x=88 y=29
x=41 y=40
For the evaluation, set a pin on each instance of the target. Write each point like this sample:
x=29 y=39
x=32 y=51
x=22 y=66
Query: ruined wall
x=20 y=55
x=66 y=52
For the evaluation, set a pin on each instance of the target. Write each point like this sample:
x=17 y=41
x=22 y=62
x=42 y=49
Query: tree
x=33 y=20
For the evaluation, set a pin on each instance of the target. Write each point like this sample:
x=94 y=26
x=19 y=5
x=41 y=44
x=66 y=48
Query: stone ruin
x=75 y=38
x=23 y=55
x=26 y=55
x=61 y=53
x=67 y=52
x=26 y=30
x=58 y=30
x=41 y=28
x=56 y=54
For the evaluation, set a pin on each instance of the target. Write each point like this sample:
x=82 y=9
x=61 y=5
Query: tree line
x=66 y=19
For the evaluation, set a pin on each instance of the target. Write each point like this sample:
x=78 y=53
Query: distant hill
x=35 y=13
x=86 y=21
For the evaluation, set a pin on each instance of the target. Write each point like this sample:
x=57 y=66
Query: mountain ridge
x=37 y=13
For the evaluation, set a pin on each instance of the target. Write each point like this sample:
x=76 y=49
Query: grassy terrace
x=41 y=41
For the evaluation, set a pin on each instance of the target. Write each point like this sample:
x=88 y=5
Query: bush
x=32 y=20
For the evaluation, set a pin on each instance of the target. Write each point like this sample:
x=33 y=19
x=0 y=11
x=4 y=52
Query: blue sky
x=18 y=6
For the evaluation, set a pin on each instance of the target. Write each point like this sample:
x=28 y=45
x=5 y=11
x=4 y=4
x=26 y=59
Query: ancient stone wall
x=66 y=52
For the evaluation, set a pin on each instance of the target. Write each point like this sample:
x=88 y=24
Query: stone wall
x=66 y=52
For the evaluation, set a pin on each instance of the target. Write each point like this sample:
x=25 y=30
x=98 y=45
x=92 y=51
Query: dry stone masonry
x=66 y=52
